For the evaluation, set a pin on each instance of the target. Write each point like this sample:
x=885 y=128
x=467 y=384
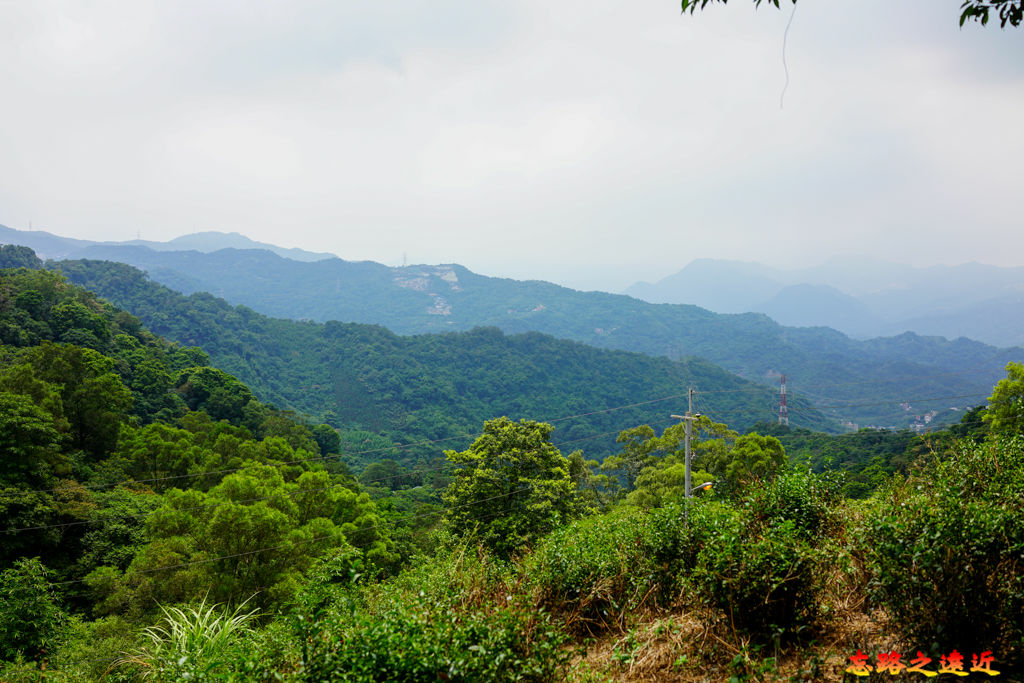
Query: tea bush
x=422 y=640
x=810 y=501
x=765 y=580
x=593 y=569
x=945 y=550
x=598 y=568
x=452 y=617
x=677 y=539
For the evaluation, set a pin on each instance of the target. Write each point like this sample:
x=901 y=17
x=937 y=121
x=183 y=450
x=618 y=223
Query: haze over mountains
x=859 y=296
x=895 y=381
x=51 y=246
x=427 y=387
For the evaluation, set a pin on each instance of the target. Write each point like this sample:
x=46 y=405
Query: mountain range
x=862 y=297
x=435 y=388
x=893 y=381
x=50 y=246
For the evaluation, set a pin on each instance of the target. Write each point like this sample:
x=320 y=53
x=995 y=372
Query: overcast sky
x=587 y=143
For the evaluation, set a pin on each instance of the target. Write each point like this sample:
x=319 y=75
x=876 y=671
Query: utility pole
x=688 y=426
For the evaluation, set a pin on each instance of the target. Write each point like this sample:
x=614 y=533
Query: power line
x=290 y=494
x=208 y=560
x=429 y=442
x=830 y=385
x=298 y=461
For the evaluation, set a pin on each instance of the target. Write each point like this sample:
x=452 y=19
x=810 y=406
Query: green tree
x=29 y=444
x=15 y=256
x=215 y=391
x=285 y=425
x=327 y=438
x=77 y=387
x=160 y=455
x=511 y=486
x=663 y=474
x=1009 y=11
x=659 y=485
x=29 y=614
x=754 y=458
x=1006 y=404
x=636 y=454
x=76 y=323
x=254 y=532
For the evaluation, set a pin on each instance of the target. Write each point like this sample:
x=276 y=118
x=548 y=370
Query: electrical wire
x=279 y=546
x=290 y=494
x=330 y=456
x=429 y=442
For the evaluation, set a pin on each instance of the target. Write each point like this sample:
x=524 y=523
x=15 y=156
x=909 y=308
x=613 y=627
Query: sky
x=592 y=144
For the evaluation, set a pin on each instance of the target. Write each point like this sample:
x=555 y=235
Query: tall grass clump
x=945 y=551
x=191 y=643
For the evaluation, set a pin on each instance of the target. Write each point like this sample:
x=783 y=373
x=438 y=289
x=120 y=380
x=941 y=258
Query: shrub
x=450 y=618
x=763 y=579
x=594 y=569
x=806 y=499
x=675 y=542
x=85 y=651
x=945 y=550
x=422 y=640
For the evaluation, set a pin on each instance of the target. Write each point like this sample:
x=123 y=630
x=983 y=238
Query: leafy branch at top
x=1010 y=11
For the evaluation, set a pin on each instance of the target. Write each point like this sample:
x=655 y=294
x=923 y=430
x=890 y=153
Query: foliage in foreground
x=1009 y=11
x=758 y=564
x=451 y=619
x=192 y=643
x=945 y=549
x=29 y=614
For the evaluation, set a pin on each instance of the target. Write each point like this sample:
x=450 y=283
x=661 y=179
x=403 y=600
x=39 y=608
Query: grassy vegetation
x=782 y=583
x=153 y=505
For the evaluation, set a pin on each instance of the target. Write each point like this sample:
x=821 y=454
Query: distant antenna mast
x=783 y=409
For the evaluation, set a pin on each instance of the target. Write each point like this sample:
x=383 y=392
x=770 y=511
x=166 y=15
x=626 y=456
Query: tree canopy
x=1009 y=11
x=511 y=487
x=1006 y=405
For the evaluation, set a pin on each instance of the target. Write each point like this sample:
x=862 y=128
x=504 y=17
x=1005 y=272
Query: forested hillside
x=865 y=382
x=104 y=425
x=438 y=386
x=163 y=524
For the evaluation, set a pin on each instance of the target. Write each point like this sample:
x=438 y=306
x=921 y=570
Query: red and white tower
x=783 y=410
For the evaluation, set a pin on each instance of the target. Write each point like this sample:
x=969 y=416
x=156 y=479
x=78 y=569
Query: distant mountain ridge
x=891 y=382
x=50 y=246
x=439 y=386
x=870 y=297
